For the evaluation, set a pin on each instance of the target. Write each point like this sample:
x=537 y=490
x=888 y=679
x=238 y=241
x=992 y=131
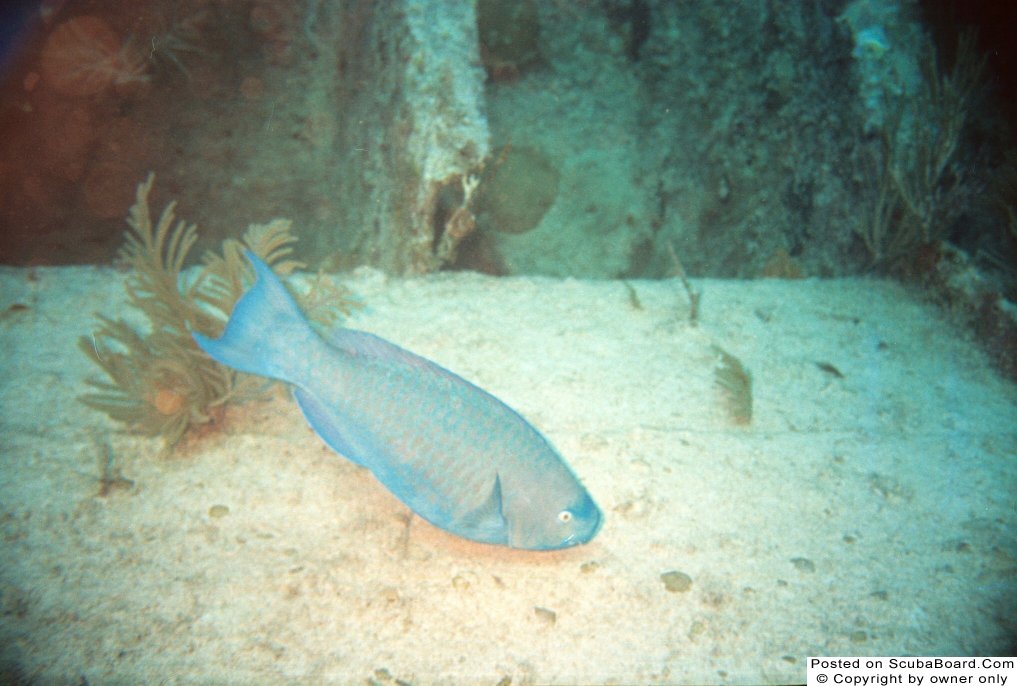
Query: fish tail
x=265 y=323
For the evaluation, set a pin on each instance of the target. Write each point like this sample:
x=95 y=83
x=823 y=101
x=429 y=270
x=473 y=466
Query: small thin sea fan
x=735 y=382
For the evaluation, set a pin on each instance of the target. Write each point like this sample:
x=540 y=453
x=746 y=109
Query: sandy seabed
x=868 y=509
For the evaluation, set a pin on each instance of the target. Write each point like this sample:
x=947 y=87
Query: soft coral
x=84 y=56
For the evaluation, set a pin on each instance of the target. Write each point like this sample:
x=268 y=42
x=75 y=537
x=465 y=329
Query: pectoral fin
x=486 y=523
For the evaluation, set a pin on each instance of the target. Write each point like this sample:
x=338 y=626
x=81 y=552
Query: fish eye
x=564 y=516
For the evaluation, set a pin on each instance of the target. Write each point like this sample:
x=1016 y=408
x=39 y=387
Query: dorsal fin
x=363 y=344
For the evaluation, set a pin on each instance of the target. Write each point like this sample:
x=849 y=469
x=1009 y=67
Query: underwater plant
x=84 y=56
x=924 y=184
x=160 y=382
x=178 y=40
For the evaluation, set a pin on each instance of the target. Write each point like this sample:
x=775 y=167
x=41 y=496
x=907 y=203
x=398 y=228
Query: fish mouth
x=577 y=538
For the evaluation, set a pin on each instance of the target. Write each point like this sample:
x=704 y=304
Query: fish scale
x=434 y=438
x=424 y=433
x=453 y=453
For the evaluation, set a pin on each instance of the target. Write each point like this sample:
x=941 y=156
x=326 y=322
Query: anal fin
x=326 y=424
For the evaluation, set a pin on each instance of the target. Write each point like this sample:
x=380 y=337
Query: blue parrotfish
x=452 y=452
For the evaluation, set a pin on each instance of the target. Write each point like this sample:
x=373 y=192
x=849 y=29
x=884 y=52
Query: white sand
x=870 y=514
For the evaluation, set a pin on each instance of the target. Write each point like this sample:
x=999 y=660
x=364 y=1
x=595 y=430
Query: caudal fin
x=265 y=327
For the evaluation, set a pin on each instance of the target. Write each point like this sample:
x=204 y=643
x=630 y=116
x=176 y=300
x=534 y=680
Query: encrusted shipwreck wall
x=726 y=130
x=359 y=120
x=774 y=138
x=410 y=130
